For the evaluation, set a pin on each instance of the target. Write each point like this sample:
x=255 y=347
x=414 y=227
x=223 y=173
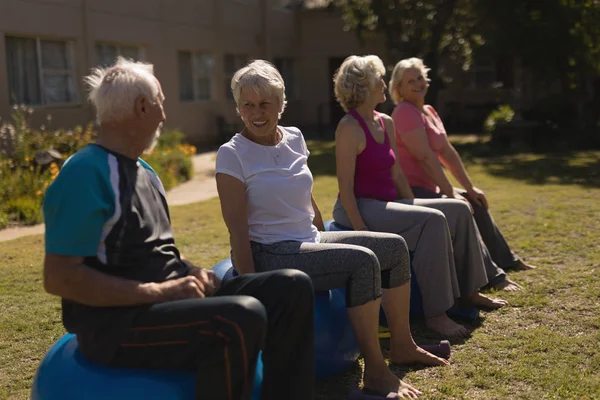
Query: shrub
x=24 y=178
x=24 y=210
x=3 y=220
x=503 y=114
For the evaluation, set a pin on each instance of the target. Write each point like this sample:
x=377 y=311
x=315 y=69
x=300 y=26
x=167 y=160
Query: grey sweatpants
x=362 y=262
x=447 y=258
x=497 y=254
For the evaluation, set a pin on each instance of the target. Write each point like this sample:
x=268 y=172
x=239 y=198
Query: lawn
x=546 y=345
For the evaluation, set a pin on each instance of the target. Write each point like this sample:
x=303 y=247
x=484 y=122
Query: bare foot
x=444 y=326
x=521 y=266
x=409 y=355
x=479 y=300
x=508 y=286
x=384 y=383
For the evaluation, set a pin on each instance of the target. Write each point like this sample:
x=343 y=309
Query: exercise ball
x=336 y=348
x=65 y=374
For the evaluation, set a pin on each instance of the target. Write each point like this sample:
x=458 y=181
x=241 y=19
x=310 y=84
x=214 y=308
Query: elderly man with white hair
x=127 y=293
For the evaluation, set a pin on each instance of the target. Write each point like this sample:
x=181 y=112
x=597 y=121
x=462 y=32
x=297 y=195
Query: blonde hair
x=398 y=73
x=262 y=77
x=113 y=90
x=356 y=78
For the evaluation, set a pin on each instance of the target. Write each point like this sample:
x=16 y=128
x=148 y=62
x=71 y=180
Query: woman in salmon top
x=375 y=196
x=423 y=147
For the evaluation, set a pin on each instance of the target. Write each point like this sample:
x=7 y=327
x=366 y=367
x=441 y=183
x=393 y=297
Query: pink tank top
x=373 y=173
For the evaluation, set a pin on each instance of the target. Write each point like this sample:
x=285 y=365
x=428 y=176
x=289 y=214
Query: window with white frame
x=40 y=71
x=195 y=76
x=107 y=53
x=231 y=64
x=287 y=69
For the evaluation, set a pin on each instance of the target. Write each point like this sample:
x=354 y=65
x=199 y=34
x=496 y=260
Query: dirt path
x=201 y=187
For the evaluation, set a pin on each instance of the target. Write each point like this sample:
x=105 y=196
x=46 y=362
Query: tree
x=557 y=41
x=554 y=40
x=429 y=29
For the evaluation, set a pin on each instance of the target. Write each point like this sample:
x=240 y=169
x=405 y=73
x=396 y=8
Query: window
x=232 y=63
x=40 y=71
x=106 y=53
x=286 y=68
x=195 y=76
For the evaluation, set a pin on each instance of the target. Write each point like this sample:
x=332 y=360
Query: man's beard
x=154 y=141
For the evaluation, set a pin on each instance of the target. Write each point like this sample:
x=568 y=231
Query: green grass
x=545 y=346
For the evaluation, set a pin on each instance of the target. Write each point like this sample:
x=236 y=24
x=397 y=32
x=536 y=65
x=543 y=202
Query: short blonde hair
x=262 y=77
x=356 y=78
x=113 y=90
x=398 y=73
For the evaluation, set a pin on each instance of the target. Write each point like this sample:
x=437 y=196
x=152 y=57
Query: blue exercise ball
x=65 y=374
x=336 y=348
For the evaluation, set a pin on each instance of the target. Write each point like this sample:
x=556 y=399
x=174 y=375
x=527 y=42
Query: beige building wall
x=324 y=44
x=162 y=28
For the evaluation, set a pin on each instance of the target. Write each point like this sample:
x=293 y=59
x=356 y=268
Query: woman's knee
x=437 y=219
x=365 y=281
x=399 y=248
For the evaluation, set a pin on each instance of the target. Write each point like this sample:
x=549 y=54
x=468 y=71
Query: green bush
x=23 y=182
x=24 y=210
x=3 y=220
x=172 y=165
x=503 y=114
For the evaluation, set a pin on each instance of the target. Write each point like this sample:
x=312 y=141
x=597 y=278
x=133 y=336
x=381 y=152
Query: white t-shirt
x=278 y=186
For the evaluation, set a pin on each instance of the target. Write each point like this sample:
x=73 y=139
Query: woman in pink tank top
x=375 y=195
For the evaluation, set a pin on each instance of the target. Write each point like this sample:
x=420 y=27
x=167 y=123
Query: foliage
x=556 y=42
x=503 y=114
x=429 y=29
x=23 y=179
x=171 y=159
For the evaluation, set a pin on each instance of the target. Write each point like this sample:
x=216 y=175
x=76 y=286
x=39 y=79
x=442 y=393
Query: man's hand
x=478 y=197
x=208 y=279
x=199 y=283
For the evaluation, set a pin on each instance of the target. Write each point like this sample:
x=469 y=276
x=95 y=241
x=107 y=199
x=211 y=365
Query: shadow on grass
x=565 y=169
x=556 y=167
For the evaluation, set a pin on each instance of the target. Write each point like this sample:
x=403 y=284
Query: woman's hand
x=458 y=196
x=478 y=197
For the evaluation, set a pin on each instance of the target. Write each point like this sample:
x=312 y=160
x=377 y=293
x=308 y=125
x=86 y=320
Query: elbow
x=50 y=285
x=346 y=189
x=52 y=282
x=423 y=158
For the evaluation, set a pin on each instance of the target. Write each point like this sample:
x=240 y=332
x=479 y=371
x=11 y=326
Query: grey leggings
x=362 y=262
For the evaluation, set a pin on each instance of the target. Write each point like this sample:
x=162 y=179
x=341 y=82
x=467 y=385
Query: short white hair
x=398 y=73
x=262 y=77
x=356 y=78
x=114 y=89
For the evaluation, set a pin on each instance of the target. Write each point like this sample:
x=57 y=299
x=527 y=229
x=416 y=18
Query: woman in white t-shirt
x=265 y=188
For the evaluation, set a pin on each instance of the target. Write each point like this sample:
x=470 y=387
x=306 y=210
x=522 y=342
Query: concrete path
x=201 y=187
